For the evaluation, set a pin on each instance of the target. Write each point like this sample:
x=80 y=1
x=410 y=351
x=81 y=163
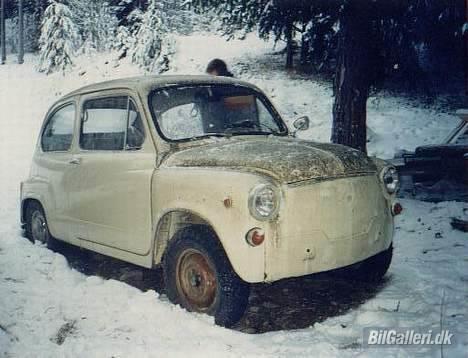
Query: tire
x=37 y=228
x=200 y=278
x=374 y=268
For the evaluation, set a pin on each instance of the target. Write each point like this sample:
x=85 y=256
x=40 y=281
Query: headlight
x=263 y=202
x=390 y=179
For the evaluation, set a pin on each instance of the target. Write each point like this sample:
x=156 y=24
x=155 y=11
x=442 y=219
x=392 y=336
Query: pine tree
x=150 y=40
x=97 y=23
x=125 y=41
x=238 y=17
x=58 y=38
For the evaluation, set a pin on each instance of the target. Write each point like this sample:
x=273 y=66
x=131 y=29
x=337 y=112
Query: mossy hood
x=285 y=159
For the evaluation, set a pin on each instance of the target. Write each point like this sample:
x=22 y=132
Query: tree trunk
x=354 y=74
x=21 y=32
x=289 y=47
x=2 y=31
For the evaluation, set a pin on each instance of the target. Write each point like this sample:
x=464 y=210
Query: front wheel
x=200 y=278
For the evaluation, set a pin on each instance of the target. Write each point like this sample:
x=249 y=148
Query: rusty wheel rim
x=196 y=280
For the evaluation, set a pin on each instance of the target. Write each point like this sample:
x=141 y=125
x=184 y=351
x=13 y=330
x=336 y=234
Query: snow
x=48 y=309
x=149 y=41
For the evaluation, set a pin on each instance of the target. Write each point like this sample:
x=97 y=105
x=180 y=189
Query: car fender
x=218 y=198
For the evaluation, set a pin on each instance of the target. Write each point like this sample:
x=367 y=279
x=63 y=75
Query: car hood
x=442 y=150
x=286 y=159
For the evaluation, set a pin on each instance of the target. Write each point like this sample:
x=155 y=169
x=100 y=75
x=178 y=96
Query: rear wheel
x=36 y=225
x=199 y=276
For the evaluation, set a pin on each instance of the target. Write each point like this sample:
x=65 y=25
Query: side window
x=111 y=123
x=103 y=123
x=58 y=132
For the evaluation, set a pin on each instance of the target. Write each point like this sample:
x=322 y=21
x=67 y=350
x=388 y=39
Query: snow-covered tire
x=199 y=276
x=37 y=228
x=374 y=268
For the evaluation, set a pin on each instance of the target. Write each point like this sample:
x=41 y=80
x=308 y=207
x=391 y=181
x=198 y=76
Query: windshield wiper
x=249 y=124
x=208 y=135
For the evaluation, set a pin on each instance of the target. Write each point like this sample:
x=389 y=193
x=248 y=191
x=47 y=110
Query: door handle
x=75 y=161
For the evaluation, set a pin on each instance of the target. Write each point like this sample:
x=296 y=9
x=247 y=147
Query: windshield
x=189 y=112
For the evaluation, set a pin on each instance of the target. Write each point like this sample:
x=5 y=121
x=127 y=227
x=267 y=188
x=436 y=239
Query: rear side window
x=58 y=132
x=111 y=123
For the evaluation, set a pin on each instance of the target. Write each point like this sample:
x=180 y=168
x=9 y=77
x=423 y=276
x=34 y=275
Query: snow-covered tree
x=96 y=23
x=125 y=40
x=58 y=38
x=168 y=49
x=150 y=40
x=178 y=18
x=237 y=17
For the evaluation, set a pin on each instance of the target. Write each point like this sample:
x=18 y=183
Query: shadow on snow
x=284 y=305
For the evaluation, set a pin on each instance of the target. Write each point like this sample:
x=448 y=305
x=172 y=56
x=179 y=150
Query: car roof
x=151 y=82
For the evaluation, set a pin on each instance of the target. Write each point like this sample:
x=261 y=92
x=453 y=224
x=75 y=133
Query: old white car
x=200 y=174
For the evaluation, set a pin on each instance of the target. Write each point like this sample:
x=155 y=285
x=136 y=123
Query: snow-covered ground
x=48 y=309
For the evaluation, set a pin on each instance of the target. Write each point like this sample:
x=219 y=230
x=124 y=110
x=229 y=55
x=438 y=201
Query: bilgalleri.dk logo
x=379 y=336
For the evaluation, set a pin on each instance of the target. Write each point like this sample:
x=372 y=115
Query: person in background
x=216 y=110
x=218 y=67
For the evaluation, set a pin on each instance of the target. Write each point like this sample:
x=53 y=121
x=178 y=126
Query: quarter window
x=111 y=123
x=135 y=131
x=58 y=132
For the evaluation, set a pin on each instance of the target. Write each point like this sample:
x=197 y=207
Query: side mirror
x=301 y=123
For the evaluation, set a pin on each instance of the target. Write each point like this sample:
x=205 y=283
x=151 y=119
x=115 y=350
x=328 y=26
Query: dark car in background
x=438 y=170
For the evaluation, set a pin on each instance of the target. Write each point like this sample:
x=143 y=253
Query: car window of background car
x=105 y=123
x=463 y=137
x=58 y=132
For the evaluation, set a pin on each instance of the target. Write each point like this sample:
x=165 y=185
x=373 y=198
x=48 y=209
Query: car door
x=52 y=166
x=110 y=198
